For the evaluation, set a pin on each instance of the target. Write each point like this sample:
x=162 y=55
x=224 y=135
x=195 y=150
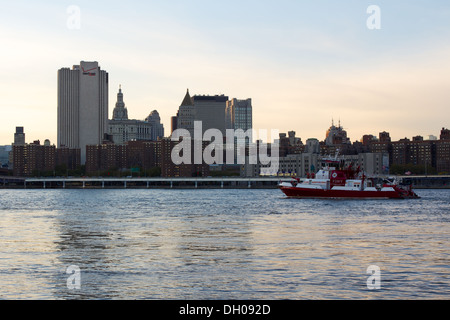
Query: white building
x=123 y=130
x=300 y=165
x=82 y=106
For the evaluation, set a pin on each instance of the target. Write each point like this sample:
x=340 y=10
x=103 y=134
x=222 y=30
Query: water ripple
x=221 y=244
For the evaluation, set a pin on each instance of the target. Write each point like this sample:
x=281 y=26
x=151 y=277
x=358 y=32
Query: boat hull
x=298 y=192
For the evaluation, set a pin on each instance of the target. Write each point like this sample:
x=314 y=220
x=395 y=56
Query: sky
x=303 y=63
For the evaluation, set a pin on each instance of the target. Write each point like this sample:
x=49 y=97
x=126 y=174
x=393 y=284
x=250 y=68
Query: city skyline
x=302 y=64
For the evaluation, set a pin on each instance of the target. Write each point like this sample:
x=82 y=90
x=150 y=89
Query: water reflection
x=220 y=244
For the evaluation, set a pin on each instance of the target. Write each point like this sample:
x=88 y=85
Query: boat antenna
x=337 y=154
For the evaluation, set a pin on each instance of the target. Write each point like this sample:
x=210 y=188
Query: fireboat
x=335 y=181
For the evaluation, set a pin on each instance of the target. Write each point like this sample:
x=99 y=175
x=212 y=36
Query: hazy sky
x=302 y=62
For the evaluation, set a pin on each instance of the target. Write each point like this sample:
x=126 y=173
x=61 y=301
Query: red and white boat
x=336 y=182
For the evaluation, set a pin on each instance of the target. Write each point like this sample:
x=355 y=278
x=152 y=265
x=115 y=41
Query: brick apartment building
x=427 y=153
x=144 y=155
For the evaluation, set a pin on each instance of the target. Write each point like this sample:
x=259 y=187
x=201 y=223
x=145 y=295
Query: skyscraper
x=82 y=106
x=239 y=114
x=210 y=110
x=157 y=128
x=19 y=137
x=174 y=123
x=185 y=115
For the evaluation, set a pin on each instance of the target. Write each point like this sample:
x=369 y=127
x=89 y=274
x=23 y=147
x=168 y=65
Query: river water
x=221 y=244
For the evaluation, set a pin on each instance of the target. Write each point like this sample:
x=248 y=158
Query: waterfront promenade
x=140 y=183
x=418 y=182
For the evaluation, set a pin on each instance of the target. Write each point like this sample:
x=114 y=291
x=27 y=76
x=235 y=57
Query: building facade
x=210 y=110
x=82 y=106
x=19 y=136
x=290 y=144
x=239 y=114
x=443 y=156
x=68 y=158
x=104 y=157
x=142 y=156
x=336 y=136
x=426 y=155
x=185 y=115
x=122 y=129
x=157 y=128
x=171 y=169
x=300 y=165
x=5 y=156
x=239 y=117
x=33 y=159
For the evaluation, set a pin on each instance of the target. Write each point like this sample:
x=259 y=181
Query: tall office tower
x=82 y=106
x=210 y=110
x=185 y=116
x=239 y=114
x=157 y=128
x=19 y=137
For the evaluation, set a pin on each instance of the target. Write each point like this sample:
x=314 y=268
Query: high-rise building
x=443 y=156
x=290 y=144
x=210 y=110
x=19 y=137
x=185 y=116
x=170 y=169
x=157 y=128
x=174 y=123
x=445 y=134
x=105 y=157
x=68 y=158
x=33 y=159
x=312 y=146
x=82 y=106
x=5 y=152
x=367 y=139
x=239 y=114
x=19 y=140
x=384 y=137
x=336 y=136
